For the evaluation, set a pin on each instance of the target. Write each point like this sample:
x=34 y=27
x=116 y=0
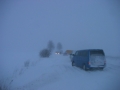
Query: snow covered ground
x=57 y=73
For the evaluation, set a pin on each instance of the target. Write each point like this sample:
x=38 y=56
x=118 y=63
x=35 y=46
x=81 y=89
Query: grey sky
x=28 y=25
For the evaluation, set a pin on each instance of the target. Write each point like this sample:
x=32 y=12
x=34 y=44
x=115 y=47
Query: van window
x=83 y=53
x=100 y=52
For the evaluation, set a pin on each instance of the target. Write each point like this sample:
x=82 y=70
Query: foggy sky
x=28 y=25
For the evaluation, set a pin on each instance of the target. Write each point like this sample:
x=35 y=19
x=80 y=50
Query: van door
x=75 y=58
x=84 y=58
x=78 y=59
x=97 y=58
x=81 y=57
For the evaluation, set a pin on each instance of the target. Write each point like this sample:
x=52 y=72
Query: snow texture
x=57 y=73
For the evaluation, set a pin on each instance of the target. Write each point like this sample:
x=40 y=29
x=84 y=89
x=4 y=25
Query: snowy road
x=56 y=73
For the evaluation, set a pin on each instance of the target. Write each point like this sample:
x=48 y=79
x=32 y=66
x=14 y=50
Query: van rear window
x=99 y=52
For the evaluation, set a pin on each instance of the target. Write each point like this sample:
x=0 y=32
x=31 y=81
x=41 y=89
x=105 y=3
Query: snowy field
x=57 y=73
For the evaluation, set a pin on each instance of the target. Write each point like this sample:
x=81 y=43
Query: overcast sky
x=28 y=25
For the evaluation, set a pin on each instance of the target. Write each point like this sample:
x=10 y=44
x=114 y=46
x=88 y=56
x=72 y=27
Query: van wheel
x=84 y=67
x=73 y=64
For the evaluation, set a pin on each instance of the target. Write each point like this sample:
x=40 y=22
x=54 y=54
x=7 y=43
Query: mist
x=27 y=26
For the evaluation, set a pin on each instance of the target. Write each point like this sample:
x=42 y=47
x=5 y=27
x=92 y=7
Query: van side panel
x=82 y=58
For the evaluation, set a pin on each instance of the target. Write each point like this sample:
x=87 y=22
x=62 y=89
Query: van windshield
x=99 y=52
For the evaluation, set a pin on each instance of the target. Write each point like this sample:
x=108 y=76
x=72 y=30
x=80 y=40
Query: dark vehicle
x=89 y=59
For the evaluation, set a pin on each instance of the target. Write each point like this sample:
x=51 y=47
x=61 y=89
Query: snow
x=57 y=73
x=27 y=25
